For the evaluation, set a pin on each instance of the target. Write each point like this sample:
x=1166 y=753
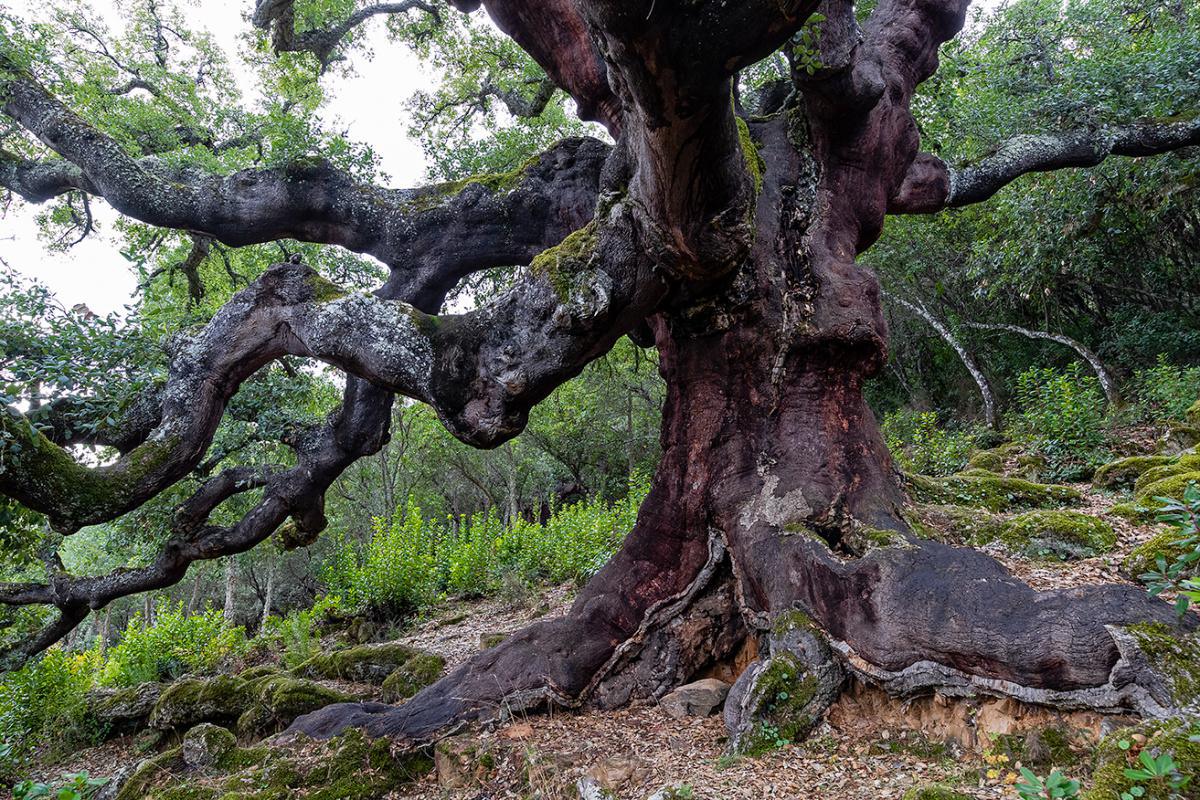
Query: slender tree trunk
x=148 y=609
x=1111 y=394
x=194 y=599
x=269 y=594
x=512 y=509
x=985 y=388
x=105 y=628
x=231 y=585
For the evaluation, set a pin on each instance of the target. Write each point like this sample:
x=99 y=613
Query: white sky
x=369 y=102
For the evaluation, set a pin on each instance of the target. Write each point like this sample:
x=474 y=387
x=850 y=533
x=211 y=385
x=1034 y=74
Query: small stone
x=617 y=772
x=206 y=744
x=699 y=699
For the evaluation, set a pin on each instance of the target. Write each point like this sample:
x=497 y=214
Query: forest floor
x=869 y=746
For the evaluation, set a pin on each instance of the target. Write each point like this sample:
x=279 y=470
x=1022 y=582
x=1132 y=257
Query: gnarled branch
x=932 y=185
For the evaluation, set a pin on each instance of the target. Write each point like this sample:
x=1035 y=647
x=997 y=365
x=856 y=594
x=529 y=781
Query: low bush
x=1165 y=391
x=176 y=643
x=410 y=562
x=1062 y=416
x=919 y=444
x=43 y=703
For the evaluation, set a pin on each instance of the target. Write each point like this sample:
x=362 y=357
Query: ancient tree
x=722 y=229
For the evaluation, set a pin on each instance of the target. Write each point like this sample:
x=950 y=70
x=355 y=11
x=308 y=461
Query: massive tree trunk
x=775 y=494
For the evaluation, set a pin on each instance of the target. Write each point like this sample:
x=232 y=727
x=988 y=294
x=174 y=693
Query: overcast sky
x=369 y=102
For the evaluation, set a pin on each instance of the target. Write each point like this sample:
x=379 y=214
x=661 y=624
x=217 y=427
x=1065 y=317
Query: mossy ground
x=1065 y=535
x=1124 y=472
x=1108 y=778
x=988 y=490
x=349 y=767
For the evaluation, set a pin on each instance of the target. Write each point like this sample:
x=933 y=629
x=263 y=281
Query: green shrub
x=1175 y=567
x=410 y=562
x=296 y=636
x=919 y=444
x=394 y=573
x=175 y=644
x=1061 y=414
x=74 y=786
x=1165 y=391
x=44 y=702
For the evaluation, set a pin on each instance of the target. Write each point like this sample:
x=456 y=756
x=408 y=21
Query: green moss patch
x=1178 y=465
x=368 y=663
x=990 y=491
x=1124 y=472
x=1112 y=759
x=1065 y=535
x=783 y=716
x=412 y=676
x=989 y=460
x=348 y=767
x=1144 y=557
x=1171 y=487
x=957 y=524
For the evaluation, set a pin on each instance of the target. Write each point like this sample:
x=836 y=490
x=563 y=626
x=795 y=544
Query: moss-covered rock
x=1178 y=465
x=1065 y=535
x=189 y=702
x=348 y=767
x=206 y=744
x=1124 y=472
x=279 y=699
x=1144 y=557
x=990 y=491
x=1192 y=415
x=1157 y=736
x=987 y=459
x=412 y=676
x=120 y=711
x=137 y=786
x=956 y=524
x=368 y=663
x=261 y=671
x=935 y=791
x=1029 y=466
x=1178 y=439
x=1171 y=487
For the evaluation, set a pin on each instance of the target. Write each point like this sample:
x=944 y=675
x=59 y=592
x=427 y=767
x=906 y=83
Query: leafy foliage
x=43 y=702
x=920 y=444
x=1180 y=574
x=1062 y=415
x=410 y=560
x=175 y=643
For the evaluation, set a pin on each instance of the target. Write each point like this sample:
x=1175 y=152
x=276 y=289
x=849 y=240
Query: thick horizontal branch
x=931 y=185
x=555 y=35
x=481 y=371
x=452 y=228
